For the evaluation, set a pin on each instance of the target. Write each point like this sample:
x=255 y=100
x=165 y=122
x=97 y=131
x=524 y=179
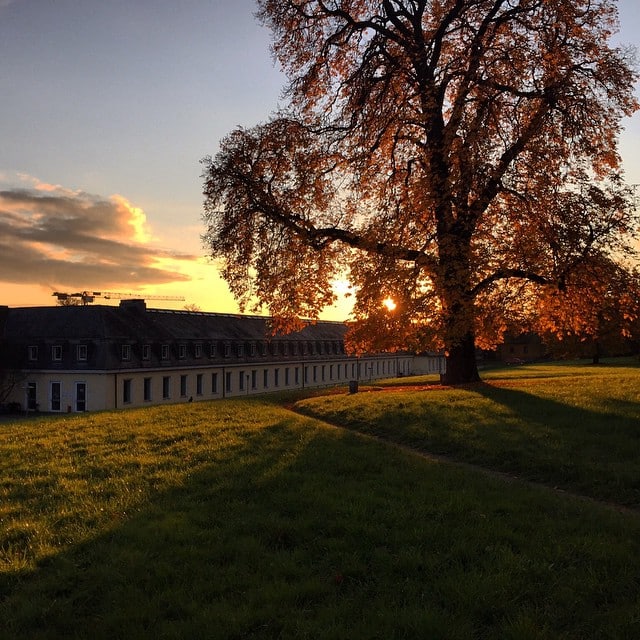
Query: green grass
x=575 y=427
x=241 y=519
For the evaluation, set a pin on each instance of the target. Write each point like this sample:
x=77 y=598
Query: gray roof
x=132 y=323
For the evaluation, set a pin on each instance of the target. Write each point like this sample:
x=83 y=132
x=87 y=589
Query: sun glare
x=389 y=304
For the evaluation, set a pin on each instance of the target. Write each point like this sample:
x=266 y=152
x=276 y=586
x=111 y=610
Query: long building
x=96 y=357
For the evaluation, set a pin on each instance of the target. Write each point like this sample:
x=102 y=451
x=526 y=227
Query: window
x=55 y=396
x=166 y=387
x=285 y=348
x=263 y=349
x=212 y=350
x=81 y=352
x=32 y=396
x=147 y=389
x=227 y=349
x=276 y=377
x=32 y=353
x=81 y=396
x=199 y=384
x=126 y=391
x=315 y=373
x=296 y=375
x=241 y=380
x=324 y=369
x=228 y=382
x=126 y=352
x=164 y=352
x=146 y=352
x=182 y=351
x=183 y=385
x=330 y=372
x=294 y=348
x=56 y=353
x=265 y=378
x=252 y=349
x=197 y=351
x=214 y=383
x=306 y=374
x=254 y=379
x=240 y=350
x=286 y=377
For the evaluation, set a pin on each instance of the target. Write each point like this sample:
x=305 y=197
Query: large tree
x=449 y=154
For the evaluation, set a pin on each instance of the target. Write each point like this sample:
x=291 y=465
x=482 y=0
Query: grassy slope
x=576 y=427
x=239 y=519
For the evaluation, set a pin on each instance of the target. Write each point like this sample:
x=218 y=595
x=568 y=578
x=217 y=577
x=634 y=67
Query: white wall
x=123 y=389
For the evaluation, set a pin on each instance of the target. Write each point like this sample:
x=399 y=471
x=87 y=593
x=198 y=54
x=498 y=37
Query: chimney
x=135 y=304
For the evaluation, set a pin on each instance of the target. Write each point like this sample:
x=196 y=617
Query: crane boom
x=87 y=297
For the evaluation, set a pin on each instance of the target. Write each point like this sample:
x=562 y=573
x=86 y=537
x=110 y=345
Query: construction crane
x=87 y=297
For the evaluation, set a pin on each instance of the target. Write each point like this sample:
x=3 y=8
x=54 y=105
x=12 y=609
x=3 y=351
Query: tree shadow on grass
x=331 y=536
x=594 y=452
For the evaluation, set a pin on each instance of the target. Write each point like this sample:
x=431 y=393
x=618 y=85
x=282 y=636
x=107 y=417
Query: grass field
x=244 y=519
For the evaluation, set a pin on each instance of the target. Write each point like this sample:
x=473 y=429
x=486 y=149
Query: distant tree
x=453 y=155
x=69 y=301
x=192 y=307
x=9 y=380
x=599 y=312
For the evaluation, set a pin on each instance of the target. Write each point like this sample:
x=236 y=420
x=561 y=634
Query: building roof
x=132 y=323
x=135 y=321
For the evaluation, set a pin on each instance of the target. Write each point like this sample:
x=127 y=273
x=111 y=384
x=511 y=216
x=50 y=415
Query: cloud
x=53 y=236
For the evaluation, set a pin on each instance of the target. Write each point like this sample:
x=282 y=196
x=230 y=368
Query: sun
x=389 y=303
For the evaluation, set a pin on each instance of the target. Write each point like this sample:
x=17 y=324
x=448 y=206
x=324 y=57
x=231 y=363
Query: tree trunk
x=461 y=362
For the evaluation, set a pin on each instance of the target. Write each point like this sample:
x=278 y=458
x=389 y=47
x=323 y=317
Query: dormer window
x=212 y=350
x=164 y=352
x=126 y=352
x=32 y=353
x=56 y=353
x=81 y=352
x=252 y=349
x=146 y=352
x=182 y=351
x=227 y=349
x=240 y=350
x=197 y=350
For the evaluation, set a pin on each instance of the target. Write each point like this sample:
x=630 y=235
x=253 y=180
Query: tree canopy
x=457 y=156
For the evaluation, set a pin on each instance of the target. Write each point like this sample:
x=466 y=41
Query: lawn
x=243 y=519
x=573 y=426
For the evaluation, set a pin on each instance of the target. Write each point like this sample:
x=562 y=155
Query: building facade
x=96 y=357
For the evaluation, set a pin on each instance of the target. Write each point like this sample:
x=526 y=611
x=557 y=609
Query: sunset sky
x=106 y=109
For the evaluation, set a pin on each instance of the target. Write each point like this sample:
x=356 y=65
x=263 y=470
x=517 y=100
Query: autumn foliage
x=458 y=156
